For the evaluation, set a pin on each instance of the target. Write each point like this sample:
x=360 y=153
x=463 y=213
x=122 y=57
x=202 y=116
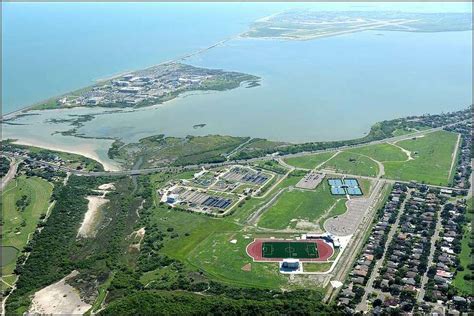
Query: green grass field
x=18 y=224
x=297 y=250
x=432 y=159
x=316 y=266
x=381 y=152
x=229 y=262
x=309 y=161
x=298 y=205
x=352 y=163
x=203 y=243
x=464 y=286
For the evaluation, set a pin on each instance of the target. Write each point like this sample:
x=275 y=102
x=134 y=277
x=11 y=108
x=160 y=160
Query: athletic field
x=296 y=250
x=265 y=249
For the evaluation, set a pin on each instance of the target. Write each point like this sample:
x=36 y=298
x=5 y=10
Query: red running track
x=254 y=249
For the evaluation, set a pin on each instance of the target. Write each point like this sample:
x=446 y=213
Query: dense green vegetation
x=55 y=252
x=182 y=303
x=309 y=161
x=352 y=163
x=432 y=155
x=162 y=151
x=296 y=205
x=4 y=166
x=24 y=201
x=464 y=280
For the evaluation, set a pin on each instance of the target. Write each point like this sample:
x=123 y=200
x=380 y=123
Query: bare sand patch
x=107 y=186
x=247 y=267
x=305 y=224
x=59 y=298
x=83 y=150
x=87 y=229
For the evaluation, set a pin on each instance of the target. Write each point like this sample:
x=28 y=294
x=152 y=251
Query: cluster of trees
x=23 y=203
x=48 y=261
x=4 y=166
x=55 y=251
x=183 y=303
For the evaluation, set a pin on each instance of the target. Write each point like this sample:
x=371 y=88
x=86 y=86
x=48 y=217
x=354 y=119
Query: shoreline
x=95 y=81
x=78 y=150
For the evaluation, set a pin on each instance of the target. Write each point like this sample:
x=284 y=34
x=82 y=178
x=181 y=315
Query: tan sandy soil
x=247 y=267
x=59 y=299
x=87 y=229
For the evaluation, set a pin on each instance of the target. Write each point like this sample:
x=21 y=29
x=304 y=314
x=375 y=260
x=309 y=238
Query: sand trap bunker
x=59 y=299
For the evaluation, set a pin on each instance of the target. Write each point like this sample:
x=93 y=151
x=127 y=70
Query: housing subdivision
x=410 y=258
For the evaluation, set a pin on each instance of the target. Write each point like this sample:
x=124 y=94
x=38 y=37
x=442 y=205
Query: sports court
x=264 y=249
x=345 y=186
x=295 y=250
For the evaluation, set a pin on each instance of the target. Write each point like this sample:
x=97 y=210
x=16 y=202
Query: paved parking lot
x=347 y=223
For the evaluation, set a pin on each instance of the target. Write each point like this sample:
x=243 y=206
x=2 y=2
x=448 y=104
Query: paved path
x=362 y=306
x=10 y=174
x=455 y=155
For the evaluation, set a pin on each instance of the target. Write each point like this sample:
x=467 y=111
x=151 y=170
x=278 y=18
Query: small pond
x=8 y=254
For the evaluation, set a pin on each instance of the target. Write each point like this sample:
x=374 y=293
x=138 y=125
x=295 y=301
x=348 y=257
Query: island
x=311 y=24
x=150 y=86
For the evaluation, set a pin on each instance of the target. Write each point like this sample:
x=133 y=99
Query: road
x=434 y=238
x=375 y=272
x=357 y=241
x=246 y=161
x=10 y=174
x=455 y=156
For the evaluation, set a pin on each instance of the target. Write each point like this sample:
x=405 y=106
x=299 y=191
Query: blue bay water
x=326 y=89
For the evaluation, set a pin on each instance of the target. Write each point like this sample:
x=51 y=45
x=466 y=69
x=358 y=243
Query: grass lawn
x=316 y=267
x=464 y=286
x=298 y=204
x=225 y=261
x=207 y=248
x=18 y=224
x=432 y=159
x=381 y=152
x=352 y=163
x=309 y=161
x=250 y=206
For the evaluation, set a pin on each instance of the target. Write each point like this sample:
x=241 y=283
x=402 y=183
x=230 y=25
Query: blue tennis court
x=351 y=182
x=335 y=182
x=337 y=191
x=347 y=186
x=354 y=191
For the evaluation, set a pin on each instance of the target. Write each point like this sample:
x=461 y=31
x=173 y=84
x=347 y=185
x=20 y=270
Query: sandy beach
x=83 y=150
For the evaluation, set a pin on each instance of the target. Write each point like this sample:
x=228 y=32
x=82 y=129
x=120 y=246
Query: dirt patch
x=307 y=225
x=247 y=267
x=107 y=186
x=59 y=298
x=87 y=229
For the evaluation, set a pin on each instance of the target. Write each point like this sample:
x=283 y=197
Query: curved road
x=245 y=161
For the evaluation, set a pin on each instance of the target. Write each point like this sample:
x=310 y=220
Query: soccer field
x=296 y=250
